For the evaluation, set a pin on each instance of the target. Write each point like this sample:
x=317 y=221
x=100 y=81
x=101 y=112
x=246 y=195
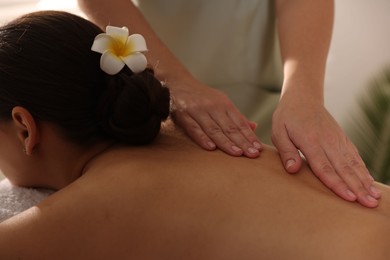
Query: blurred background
x=359 y=55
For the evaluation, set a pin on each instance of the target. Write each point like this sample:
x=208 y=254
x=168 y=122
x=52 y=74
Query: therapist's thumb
x=288 y=153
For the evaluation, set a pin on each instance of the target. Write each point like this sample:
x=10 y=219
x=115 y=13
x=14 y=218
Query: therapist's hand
x=212 y=121
x=303 y=123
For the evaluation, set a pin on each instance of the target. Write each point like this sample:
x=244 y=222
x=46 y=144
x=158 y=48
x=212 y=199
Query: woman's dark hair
x=47 y=67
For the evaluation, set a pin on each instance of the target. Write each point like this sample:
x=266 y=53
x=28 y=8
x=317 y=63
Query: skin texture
x=300 y=122
x=173 y=200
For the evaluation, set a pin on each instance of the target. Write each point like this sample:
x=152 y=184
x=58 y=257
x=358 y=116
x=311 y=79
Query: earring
x=25 y=150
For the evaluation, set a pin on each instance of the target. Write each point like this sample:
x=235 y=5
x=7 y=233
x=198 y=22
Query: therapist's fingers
x=348 y=162
x=324 y=170
x=343 y=173
x=198 y=135
x=219 y=130
x=229 y=133
x=237 y=129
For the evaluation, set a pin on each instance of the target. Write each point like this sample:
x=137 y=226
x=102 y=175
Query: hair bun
x=133 y=106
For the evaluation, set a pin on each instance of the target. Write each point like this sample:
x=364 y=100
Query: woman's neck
x=57 y=163
x=78 y=163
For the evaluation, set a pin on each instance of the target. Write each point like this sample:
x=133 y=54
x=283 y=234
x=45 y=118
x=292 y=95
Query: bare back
x=173 y=200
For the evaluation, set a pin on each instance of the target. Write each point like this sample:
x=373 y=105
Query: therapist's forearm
x=305 y=30
x=124 y=13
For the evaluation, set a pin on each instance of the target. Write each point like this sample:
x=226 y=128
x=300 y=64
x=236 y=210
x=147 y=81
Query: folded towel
x=14 y=200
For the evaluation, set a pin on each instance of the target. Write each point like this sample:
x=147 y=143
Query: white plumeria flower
x=119 y=49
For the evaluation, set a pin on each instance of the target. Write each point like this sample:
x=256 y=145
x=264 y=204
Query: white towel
x=14 y=200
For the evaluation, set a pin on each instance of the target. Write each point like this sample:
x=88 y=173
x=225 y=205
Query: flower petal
x=136 y=62
x=110 y=63
x=136 y=43
x=119 y=34
x=102 y=43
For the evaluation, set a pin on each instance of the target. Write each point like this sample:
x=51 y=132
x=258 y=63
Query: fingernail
x=252 y=150
x=236 y=149
x=290 y=163
x=257 y=145
x=211 y=145
x=374 y=190
x=351 y=194
x=371 y=198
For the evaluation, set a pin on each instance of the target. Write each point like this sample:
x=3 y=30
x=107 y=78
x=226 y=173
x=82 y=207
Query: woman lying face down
x=65 y=125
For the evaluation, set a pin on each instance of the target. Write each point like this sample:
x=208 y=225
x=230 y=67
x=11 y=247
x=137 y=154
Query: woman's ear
x=26 y=128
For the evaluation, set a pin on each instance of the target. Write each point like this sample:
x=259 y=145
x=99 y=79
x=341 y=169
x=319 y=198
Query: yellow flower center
x=119 y=48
